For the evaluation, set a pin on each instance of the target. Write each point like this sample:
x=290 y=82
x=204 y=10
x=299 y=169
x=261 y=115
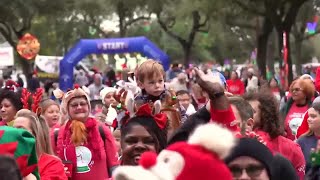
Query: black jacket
x=202 y=116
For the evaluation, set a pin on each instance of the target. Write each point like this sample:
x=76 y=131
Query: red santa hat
x=199 y=158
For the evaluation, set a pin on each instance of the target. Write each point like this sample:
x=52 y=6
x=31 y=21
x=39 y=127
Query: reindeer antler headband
x=126 y=108
x=37 y=97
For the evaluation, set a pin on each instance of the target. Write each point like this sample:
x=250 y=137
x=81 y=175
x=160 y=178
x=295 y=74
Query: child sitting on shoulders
x=150 y=77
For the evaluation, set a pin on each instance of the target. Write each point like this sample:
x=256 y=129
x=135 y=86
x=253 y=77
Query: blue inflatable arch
x=107 y=46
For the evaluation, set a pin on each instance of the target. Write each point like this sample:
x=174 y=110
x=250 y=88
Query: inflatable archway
x=107 y=46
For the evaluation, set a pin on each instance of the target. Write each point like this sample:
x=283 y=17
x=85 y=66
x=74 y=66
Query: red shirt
x=87 y=169
x=235 y=86
x=317 y=80
x=51 y=168
x=289 y=149
x=294 y=119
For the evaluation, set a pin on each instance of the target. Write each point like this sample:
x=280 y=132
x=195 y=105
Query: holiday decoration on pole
x=312 y=26
x=146 y=26
x=28 y=46
x=92 y=30
x=285 y=67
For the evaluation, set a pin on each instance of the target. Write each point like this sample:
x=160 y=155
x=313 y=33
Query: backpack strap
x=55 y=134
x=102 y=134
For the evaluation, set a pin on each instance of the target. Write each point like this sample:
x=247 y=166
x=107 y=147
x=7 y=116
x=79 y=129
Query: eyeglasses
x=75 y=105
x=251 y=170
x=296 y=90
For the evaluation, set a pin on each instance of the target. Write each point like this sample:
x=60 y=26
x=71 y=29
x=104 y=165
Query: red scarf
x=93 y=142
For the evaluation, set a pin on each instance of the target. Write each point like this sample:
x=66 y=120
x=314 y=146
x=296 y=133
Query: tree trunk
x=271 y=52
x=262 y=46
x=298 y=49
x=121 y=14
x=187 y=53
x=262 y=54
x=27 y=67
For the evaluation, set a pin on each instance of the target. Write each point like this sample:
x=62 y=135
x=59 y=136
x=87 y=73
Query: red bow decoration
x=145 y=110
x=10 y=84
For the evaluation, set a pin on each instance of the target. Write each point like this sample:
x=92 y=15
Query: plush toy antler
x=125 y=106
x=37 y=96
x=25 y=97
x=169 y=106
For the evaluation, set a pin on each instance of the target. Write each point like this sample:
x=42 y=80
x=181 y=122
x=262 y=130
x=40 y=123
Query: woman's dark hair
x=273 y=78
x=269 y=120
x=13 y=97
x=9 y=169
x=235 y=73
x=151 y=126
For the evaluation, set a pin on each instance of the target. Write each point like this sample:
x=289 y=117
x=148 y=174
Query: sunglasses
x=251 y=170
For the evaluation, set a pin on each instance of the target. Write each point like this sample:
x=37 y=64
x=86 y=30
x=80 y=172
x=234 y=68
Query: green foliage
x=60 y=24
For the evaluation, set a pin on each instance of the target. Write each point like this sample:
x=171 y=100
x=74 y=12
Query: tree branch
x=94 y=25
x=169 y=32
x=6 y=32
x=247 y=8
x=204 y=22
x=130 y=22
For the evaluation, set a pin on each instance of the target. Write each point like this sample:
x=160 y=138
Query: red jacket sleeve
x=298 y=161
x=111 y=150
x=317 y=80
x=50 y=167
x=241 y=88
x=224 y=117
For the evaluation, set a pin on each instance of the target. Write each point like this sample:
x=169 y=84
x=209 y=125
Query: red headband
x=161 y=119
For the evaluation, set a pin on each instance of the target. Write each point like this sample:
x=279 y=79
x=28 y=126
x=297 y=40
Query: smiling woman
x=141 y=134
x=10 y=103
x=86 y=147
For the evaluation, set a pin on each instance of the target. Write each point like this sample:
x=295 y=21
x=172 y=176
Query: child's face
x=184 y=100
x=109 y=99
x=153 y=86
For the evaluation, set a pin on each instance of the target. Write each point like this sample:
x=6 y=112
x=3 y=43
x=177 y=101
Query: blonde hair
x=39 y=128
x=149 y=69
x=45 y=104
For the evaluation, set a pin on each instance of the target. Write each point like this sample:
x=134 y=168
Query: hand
x=209 y=82
x=209 y=77
x=111 y=116
x=133 y=85
x=228 y=94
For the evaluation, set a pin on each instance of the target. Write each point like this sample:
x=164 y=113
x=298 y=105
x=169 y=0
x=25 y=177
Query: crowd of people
x=177 y=125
